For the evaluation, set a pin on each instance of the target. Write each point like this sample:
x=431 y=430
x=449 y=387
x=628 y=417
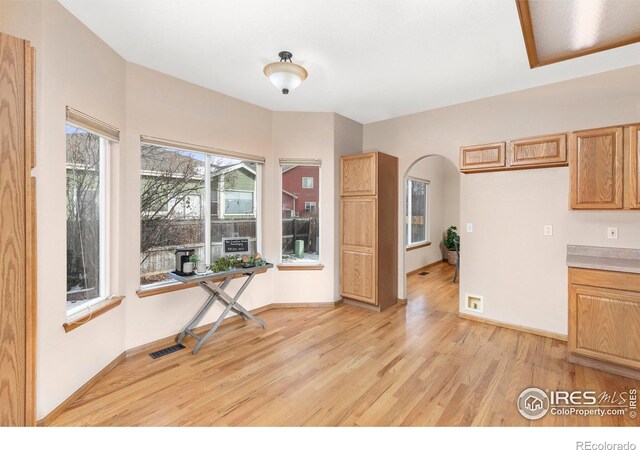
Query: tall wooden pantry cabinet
x=369 y=230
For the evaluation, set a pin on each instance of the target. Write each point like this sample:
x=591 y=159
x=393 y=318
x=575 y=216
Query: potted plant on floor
x=450 y=241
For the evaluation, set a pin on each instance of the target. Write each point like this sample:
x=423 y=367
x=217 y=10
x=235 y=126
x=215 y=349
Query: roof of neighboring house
x=288 y=168
x=222 y=170
x=158 y=159
x=290 y=194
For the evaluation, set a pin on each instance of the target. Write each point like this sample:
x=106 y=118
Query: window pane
x=418 y=213
x=238 y=202
x=234 y=187
x=300 y=214
x=83 y=214
x=172 y=205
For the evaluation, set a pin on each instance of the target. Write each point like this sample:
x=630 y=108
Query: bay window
x=88 y=152
x=193 y=197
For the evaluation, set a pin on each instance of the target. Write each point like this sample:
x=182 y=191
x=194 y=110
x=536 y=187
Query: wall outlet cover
x=469 y=228
x=548 y=230
x=474 y=303
x=612 y=233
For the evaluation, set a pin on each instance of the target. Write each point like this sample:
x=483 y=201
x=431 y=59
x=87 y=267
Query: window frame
x=307 y=178
x=427 y=211
x=309 y=204
x=209 y=154
x=104 y=211
x=302 y=265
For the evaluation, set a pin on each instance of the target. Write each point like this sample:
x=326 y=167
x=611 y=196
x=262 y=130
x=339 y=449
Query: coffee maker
x=182 y=256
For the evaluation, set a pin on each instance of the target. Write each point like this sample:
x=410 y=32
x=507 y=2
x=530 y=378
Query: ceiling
x=368 y=60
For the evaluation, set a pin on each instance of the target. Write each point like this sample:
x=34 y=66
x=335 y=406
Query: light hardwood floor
x=417 y=364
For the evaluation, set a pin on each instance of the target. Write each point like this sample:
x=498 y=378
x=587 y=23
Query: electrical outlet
x=469 y=228
x=548 y=230
x=612 y=232
x=474 y=303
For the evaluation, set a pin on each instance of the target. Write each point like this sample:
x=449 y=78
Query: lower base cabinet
x=604 y=320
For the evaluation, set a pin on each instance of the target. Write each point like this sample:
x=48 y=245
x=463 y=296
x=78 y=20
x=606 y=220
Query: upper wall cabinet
x=481 y=158
x=529 y=153
x=542 y=151
x=358 y=174
x=596 y=169
x=632 y=174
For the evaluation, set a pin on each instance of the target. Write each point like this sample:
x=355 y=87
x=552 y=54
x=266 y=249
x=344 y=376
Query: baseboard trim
x=511 y=326
x=413 y=272
x=305 y=305
x=604 y=366
x=78 y=393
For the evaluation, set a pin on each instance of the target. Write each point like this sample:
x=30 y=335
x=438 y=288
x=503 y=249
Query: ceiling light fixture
x=285 y=75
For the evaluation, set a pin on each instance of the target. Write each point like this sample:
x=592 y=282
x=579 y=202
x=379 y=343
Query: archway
x=435 y=180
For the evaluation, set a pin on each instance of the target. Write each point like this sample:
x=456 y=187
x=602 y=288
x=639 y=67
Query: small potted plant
x=450 y=242
x=199 y=266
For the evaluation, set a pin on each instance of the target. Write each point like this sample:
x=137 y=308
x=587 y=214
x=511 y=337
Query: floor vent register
x=166 y=351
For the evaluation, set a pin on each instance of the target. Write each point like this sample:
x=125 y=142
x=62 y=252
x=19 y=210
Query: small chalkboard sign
x=236 y=246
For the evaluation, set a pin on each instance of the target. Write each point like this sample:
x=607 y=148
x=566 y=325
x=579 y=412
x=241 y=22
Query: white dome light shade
x=286 y=76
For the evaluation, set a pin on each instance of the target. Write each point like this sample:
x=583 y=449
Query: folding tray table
x=217 y=292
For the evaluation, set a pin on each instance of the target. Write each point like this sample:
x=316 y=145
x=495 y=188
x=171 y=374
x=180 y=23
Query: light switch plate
x=548 y=230
x=612 y=232
x=469 y=228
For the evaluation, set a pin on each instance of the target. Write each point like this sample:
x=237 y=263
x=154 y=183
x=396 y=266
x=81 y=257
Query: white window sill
x=78 y=306
x=417 y=245
x=96 y=309
x=300 y=266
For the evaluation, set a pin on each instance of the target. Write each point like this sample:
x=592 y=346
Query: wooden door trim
x=19 y=231
x=632 y=162
x=31 y=236
x=524 y=13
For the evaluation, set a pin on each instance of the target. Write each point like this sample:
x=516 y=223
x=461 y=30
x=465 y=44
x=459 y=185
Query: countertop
x=604 y=258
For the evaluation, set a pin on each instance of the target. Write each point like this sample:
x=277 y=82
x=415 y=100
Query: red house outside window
x=300 y=214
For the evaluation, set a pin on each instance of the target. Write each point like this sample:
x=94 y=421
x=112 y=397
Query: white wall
x=347 y=140
x=308 y=136
x=324 y=136
x=521 y=273
x=451 y=195
x=506 y=258
x=162 y=106
x=75 y=68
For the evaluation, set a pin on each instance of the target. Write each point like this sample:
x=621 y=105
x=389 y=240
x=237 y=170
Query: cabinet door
x=632 y=181
x=603 y=324
x=482 y=157
x=358 y=248
x=596 y=169
x=358 y=174
x=358 y=276
x=539 y=152
x=358 y=223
